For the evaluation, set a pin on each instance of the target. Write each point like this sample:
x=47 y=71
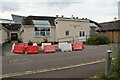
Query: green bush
x=115 y=68
x=97 y=40
x=101 y=74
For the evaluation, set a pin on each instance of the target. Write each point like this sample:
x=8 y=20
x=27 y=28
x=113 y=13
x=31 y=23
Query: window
x=42 y=31
x=82 y=33
x=67 y=33
x=44 y=22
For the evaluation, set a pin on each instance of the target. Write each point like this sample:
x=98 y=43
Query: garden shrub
x=97 y=40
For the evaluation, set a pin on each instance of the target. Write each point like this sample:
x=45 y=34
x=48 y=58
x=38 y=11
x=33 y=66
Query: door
x=14 y=36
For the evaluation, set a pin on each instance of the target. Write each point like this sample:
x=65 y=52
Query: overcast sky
x=97 y=10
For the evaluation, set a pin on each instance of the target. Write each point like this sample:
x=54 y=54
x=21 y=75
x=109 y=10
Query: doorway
x=14 y=36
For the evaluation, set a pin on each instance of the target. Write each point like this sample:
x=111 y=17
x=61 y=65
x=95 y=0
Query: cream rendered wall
x=57 y=31
x=28 y=34
x=64 y=25
x=3 y=35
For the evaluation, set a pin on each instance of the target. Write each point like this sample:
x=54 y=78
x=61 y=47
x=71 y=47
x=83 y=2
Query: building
x=13 y=31
x=17 y=18
x=111 y=30
x=8 y=30
x=56 y=29
x=40 y=28
x=6 y=21
x=3 y=34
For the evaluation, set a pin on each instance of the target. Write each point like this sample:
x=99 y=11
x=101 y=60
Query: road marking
x=21 y=61
x=48 y=70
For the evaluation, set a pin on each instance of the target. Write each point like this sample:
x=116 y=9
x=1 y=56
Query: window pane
x=67 y=32
x=83 y=33
x=80 y=34
x=47 y=33
x=41 y=29
x=34 y=22
x=42 y=33
x=44 y=29
x=47 y=29
x=37 y=33
x=36 y=29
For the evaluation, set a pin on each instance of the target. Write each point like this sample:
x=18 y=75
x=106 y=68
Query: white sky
x=96 y=10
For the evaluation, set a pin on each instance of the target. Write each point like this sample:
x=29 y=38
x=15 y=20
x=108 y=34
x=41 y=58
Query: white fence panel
x=60 y=44
x=66 y=47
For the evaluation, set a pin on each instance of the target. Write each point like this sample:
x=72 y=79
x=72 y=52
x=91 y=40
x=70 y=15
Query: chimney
x=82 y=18
x=57 y=16
x=62 y=16
x=72 y=17
x=115 y=18
x=76 y=17
x=85 y=18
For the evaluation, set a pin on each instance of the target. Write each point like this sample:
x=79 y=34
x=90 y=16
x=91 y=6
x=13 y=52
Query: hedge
x=97 y=40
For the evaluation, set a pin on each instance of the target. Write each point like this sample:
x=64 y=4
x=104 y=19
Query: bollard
x=108 y=63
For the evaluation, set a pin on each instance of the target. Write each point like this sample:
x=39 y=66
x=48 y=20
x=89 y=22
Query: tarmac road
x=60 y=60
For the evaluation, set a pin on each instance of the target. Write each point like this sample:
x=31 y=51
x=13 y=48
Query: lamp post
x=108 y=62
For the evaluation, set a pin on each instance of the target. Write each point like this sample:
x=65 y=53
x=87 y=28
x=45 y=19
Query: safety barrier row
x=23 y=48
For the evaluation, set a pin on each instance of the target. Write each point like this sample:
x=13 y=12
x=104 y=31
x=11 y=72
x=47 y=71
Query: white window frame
x=42 y=31
x=82 y=34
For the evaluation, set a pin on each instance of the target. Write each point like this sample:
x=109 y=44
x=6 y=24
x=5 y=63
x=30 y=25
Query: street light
x=108 y=62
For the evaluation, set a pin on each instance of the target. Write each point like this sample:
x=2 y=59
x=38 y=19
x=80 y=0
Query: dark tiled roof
x=11 y=26
x=94 y=23
x=17 y=15
x=113 y=25
x=6 y=19
x=28 y=20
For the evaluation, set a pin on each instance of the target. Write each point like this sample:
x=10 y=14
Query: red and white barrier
x=60 y=45
x=19 y=49
x=24 y=44
x=43 y=44
x=49 y=48
x=32 y=49
x=77 y=46
x=66 y=47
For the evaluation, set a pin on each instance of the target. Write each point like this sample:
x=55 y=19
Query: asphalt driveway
x=22 y=63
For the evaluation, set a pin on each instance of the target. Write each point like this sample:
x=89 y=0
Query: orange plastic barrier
x=32 y=49
x=77 y=46
x=24 y=44
x=49 y=48
x=19 y=49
